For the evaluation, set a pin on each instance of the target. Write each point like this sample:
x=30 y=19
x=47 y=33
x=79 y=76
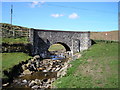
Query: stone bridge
x=73 y=41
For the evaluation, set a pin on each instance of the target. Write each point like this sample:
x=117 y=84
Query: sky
x=64 y=16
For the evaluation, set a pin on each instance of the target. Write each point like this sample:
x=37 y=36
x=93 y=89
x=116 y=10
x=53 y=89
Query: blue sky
x=66 y=16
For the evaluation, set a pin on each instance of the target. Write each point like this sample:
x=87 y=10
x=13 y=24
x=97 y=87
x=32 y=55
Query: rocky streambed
x=39 y=73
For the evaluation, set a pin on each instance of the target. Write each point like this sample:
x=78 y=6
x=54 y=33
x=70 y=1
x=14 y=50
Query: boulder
x=37 y=64
x=45 y=71
x=32 y=60
x=36 y=57
x=27 y=72
x=53 y=69
x=24 y=67
x=40 y=69
x=57 y=69
x=6 y=84
x=35 y=87
x=24 y=81
x=48 y=68
x=37 y=81
x=32 y=83
x=27 y=64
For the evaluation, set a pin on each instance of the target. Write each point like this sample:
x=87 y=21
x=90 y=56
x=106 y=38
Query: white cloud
x=57 y=15
x=73 y=16
x=37 y=3
x=34 y=3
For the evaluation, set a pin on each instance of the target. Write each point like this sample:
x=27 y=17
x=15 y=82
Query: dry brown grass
x=112 y=35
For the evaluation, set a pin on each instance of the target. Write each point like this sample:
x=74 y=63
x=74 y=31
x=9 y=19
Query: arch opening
x=65 y=46
x=59 y=47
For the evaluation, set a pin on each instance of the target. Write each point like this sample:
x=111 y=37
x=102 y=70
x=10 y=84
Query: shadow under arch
x=65 y=45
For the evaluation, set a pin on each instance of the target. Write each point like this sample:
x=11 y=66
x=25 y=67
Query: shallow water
x=39 y=75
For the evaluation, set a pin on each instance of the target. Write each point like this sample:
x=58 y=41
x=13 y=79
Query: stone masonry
x=73 y=41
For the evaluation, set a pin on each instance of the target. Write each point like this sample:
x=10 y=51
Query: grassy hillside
x=97 y=68
x=11 y=59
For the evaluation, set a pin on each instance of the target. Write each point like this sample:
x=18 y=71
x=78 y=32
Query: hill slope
x=97 y=68
x=112 y=35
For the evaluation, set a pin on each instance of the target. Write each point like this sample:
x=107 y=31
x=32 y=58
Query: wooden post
x=11 y=21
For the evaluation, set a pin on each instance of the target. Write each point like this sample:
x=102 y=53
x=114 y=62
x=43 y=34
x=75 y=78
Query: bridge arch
x=73 y=41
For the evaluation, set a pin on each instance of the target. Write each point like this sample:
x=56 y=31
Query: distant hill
x=111 y=35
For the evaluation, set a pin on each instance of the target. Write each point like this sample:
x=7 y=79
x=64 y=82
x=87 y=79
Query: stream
x=39 y=74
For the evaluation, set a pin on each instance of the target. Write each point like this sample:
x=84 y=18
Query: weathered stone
x=37 y=81
x=32 y=83
x=33 y=66
x=40 y=69
x=57 y=69
x=24 y=81
x=35 y=87
x=52 y=80
x=36 y=57
x=6 y=84
x=48 y=68
x=24 y=67
x=42 y=39
x=32 y=60
x=53 y=69
x=37 y=64
x=27 y=72
x=27 y=65
x=45 y=71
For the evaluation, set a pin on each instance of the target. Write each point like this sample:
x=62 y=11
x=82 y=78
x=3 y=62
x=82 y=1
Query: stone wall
x=16 y=48
x=7 y=30
x=72 y=41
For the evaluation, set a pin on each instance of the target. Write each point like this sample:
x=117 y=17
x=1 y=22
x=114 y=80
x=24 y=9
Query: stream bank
x=37 y=73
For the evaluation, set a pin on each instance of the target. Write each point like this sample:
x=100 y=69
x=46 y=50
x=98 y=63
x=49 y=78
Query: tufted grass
x=97 y=68
x=15 y=40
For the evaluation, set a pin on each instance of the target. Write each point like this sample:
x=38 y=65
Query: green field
x=56 y=47
x=97 y=68
x=15 y=40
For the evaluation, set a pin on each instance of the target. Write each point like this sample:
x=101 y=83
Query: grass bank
x=97 y=68
x=15 y=40
x=11 y=59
